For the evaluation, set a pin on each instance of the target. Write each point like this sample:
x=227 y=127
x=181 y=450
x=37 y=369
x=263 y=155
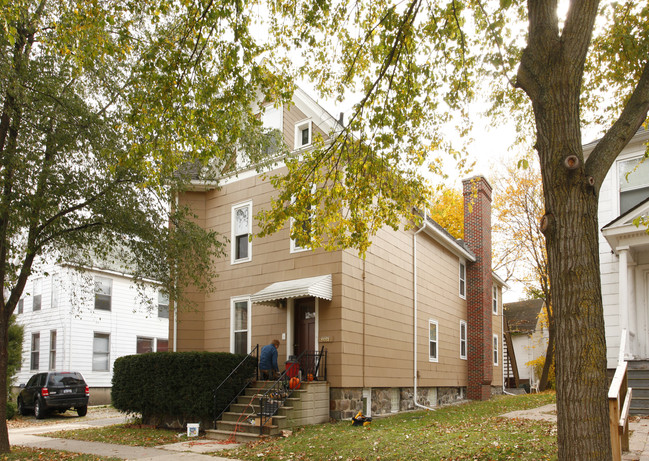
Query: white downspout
x=175 y=308
x=414 y=296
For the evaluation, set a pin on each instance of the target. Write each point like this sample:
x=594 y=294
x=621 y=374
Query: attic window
x=303 y=134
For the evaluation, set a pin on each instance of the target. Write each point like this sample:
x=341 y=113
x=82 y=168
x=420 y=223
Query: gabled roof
x=522 y=316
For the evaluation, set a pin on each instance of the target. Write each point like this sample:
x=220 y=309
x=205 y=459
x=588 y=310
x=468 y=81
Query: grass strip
x=28 y=453
x=131 y=434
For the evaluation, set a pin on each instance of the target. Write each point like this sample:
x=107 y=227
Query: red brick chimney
x=477 y=235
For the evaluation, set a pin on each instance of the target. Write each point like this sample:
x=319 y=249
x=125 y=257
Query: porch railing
x=619 y=404
x=311 y=363
x=236 y=373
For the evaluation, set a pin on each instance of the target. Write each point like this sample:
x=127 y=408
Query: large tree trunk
x=571 y=230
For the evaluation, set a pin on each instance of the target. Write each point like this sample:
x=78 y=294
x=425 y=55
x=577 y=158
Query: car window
x=65 y=379
x=41 y=380
x=32 y=381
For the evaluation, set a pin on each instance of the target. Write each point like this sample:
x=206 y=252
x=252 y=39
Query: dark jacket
x=268 y=358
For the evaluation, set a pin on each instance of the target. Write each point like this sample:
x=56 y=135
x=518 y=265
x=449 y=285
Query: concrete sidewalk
x=638 y=429
x=190 y=450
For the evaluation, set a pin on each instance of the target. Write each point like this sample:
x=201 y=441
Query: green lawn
x=125 y=434
x=468 y=431
x=25 y=453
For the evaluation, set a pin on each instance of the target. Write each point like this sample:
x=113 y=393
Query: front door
x=304 y=325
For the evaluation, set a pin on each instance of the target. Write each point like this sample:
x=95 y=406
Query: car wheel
x=21 y=407
x=39 y=412
x=82 y=411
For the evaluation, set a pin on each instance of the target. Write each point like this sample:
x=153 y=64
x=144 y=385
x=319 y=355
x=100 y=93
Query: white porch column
x=623 y=295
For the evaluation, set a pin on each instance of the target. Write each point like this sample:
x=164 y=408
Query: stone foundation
x=345 y=403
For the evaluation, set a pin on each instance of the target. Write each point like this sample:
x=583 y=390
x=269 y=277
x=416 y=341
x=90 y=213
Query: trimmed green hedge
x=173 y=388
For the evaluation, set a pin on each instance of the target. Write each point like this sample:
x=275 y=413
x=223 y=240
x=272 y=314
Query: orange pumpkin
x=294 y=383
x=309 y=377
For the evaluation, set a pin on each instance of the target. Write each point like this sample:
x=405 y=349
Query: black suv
x=56 y=390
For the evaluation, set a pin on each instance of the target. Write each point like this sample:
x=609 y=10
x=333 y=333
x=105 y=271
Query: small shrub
x=11 y=409
x=173 y=388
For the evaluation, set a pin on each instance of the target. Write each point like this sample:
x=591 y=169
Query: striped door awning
x=318 y=287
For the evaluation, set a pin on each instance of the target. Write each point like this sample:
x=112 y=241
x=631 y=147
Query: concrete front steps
x=307 y=405
x=638 y=380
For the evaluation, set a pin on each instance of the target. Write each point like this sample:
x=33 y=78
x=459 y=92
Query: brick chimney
x=477 y=235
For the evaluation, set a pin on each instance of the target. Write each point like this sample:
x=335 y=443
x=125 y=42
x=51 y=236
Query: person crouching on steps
x=268 y=361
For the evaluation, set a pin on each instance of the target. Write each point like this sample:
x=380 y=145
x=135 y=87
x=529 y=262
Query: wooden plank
x=614 y=411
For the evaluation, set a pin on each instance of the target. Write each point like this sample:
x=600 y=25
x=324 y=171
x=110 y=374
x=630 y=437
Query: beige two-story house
x=417 y=323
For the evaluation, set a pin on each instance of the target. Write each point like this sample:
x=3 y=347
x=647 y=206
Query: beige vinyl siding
x=293 y=115
x=192 y=313
x=271 y=262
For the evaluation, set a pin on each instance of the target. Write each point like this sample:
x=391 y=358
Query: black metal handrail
x=310 y=363
x=253 y=354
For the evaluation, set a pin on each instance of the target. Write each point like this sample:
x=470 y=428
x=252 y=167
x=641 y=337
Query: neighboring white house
x=82 y=320
x=624 y=251
x=528 y=335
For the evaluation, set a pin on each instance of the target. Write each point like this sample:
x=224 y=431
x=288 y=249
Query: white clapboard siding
x=76 y=322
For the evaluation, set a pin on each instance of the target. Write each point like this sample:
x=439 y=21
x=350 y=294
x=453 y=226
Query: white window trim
x=618 y=183
x=299 y=126
x=494 y=299
x=52 y=352
x=94 y=334
x=465 y=340
x=35 y=353
x=37 y=288
x=496 y=350
x=461 y=278
x=436 y=358
x=233 y=302
x=110 y=283
x=233 y=239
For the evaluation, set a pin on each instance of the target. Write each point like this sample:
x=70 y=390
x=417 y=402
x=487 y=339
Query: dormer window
x=303 y=134
x=634 y=182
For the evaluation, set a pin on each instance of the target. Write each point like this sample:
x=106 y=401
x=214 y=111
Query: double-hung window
x=101 y=352
x=633 y=181
x=53 y=350
x=241 y=231
x=463 y=339
x=35 y=351
x=494 y=299
x=240 y=323
x=103 y=293
x=163 y=305
x=495 y=350
x=37 y=299
x=433 y=348
x=462 y=280
x=21 y=306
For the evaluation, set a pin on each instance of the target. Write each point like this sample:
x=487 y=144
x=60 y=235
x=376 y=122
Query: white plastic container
x=192 y=429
